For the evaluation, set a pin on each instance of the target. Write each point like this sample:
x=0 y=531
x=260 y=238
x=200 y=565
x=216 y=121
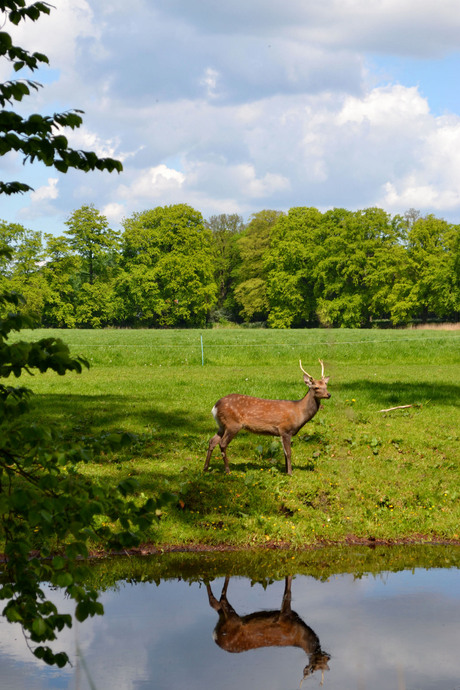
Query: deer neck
x=310 y=404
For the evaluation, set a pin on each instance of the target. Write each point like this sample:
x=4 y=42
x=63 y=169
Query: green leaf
x=39 y=627
x=58 y=562
x=63 y=579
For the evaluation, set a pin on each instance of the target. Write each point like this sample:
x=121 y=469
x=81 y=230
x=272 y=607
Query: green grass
x=357 y=471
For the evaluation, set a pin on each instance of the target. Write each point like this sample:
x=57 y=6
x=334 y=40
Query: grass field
x=356 y=471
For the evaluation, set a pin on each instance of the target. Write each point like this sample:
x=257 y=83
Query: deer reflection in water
x=283 y=628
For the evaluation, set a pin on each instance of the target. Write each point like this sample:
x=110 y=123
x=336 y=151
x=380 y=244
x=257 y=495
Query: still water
x=396 y=630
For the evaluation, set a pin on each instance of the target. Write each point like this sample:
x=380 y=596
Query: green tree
x=62 y=272
x=23 y=272
x=290 y=264
x=338 y=267
x=433 y=248
x=226 y=229
x=44 y=500
x=253 y=245
x=353 y=253
x=26 y=248
x=97 y=245
x=167 y=277
x=90 y=236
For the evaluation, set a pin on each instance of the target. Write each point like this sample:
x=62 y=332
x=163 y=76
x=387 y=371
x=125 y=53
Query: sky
x=235 y=107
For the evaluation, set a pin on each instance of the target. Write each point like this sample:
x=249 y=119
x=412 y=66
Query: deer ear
x=308 y=380
x=326 y=379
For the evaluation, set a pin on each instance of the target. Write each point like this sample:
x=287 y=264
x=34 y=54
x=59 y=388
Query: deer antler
x=306 y=374
x=322 y=367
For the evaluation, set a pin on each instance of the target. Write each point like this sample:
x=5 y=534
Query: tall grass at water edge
x=358 y=472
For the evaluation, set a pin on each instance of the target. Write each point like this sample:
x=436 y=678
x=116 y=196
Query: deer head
x=319 y=386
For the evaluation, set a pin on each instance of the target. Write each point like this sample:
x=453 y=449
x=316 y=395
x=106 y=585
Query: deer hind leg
x=286 y=603
x=226 y=438
x=216 y=439
x=286 y=439
x=212 y=599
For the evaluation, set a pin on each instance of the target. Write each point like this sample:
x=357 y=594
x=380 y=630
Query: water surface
x=385 y=630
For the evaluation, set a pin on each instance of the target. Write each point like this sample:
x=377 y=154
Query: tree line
x=169 y=267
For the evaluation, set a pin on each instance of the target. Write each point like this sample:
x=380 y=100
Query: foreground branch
x=400 y=407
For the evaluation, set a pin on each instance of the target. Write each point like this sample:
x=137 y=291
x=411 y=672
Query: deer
x=283 y=628
x=283 y=418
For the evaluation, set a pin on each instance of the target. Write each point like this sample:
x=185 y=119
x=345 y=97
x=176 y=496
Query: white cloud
x=114 y=212
x=87 y=140
x=384 y=107
x=236 y=107
x=324 y=150
x=50 y=191
x=209 y=81
x=159 y=182
x=433 y=181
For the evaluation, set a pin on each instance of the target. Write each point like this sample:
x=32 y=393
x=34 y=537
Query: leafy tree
x=433 y=250
x=351 y=249
x=26 y=248
x=226 y=229
x=44 y=500
x=251 y=289
x=167 y=278
x=62 y=271
x=339 y=267
x=290 y=264
x=410 y=216
x=97 y=305
x=92 y=239
x=23 y=271
x=96 y=244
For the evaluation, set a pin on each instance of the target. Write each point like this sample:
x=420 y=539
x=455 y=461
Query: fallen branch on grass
x=401 y=407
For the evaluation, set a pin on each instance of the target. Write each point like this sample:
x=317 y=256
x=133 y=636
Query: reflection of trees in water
x=283 y=628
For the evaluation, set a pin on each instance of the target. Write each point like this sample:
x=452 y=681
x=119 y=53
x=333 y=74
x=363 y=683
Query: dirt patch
x=350 y=540
x=150 y=549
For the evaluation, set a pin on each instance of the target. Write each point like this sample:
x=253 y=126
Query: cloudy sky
x=251 y=104
x=388 y=631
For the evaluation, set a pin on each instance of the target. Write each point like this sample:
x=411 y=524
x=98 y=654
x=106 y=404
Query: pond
x=217 y=624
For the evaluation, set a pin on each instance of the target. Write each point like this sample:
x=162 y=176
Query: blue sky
x=238 y=107
x=437 y=79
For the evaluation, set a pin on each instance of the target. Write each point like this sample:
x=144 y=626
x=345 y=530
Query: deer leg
x=212 y=599
x=286 y=603
x=286 y=439
x=212 y=444
x=227 y=608
x=225 y=587
x=226 y=438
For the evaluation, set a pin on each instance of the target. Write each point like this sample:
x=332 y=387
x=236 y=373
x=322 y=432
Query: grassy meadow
x=357 y=471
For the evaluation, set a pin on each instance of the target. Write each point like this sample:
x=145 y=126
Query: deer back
x=264 y=629
x=263 y=416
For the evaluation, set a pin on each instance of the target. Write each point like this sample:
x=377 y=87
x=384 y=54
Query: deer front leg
x=286 y=439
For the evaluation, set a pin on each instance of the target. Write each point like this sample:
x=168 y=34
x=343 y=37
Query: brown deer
x=283 y=628
x=282 y=418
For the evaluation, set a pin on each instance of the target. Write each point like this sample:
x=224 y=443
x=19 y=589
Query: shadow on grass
x=86 y=414
x=402 y=393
